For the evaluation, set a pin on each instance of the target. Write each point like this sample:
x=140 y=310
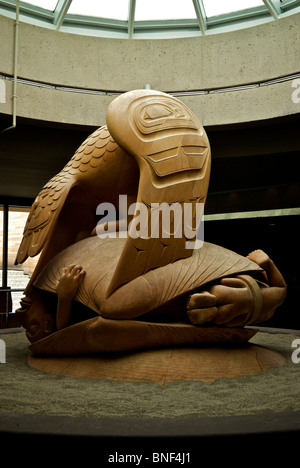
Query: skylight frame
x=188 y=6
x=33 y=3
x=88 y=6
x=229 y=12
x=59 y=19
x=27 y=11
x=242 y=15
x=286 y=5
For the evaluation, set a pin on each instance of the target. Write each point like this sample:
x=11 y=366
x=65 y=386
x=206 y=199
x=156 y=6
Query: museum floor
x=38 y=403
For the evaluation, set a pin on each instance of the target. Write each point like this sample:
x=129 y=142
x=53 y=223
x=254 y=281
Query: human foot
x=201 y=307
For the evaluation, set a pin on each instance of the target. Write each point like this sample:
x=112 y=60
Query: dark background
x=255 y=167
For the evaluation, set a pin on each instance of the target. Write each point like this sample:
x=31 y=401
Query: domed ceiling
x=148 y=18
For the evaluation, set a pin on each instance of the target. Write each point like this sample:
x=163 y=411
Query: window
x=148 y=19
x=13 y=278
x=215 y=7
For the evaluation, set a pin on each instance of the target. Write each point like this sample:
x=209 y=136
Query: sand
x=26 y=390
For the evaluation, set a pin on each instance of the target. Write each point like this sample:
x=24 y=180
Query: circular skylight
x=148 y=18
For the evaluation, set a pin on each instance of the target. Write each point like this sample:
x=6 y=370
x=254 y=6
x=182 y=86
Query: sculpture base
x=165 y=365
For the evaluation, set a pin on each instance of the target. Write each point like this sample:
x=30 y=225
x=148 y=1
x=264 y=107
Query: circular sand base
x=165 y=365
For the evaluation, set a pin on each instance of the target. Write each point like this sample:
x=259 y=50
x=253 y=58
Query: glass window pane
x=46 y=4
x=219 y=7
x=164 y=10
x=112 y=9
x=17 y=275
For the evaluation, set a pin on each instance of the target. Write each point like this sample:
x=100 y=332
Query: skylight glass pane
x=46 y=4
x=164 y=10
x=219 y=7
x=112 y=9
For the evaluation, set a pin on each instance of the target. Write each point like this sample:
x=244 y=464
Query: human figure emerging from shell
x=119 y=292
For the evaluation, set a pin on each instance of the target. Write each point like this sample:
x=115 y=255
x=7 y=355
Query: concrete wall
x=215 y=61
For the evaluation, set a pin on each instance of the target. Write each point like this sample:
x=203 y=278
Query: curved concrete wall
x=236 y=58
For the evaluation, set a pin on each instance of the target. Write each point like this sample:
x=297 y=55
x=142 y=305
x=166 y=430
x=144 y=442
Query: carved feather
x=48 y=204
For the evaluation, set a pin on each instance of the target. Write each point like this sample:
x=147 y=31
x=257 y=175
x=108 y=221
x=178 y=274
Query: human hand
x=69 y=281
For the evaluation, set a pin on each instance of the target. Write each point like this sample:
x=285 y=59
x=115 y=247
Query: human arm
x=66 y=289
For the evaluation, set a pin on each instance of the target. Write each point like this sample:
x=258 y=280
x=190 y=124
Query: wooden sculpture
x=109 y=286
